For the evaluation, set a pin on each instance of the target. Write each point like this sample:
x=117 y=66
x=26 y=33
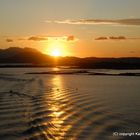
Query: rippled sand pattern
x=43 y=108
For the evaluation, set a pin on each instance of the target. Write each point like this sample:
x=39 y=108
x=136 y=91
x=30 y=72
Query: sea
x=69 y=106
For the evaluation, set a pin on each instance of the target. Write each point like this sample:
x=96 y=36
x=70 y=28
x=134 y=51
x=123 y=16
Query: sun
x=57 y=48
x=56 y=53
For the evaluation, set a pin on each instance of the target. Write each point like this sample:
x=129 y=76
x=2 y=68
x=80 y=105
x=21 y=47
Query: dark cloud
x=9 y=40
x=112 y=38
x=70 y=38
x=117 y=37
x=133 y=21
x=101 y=38
x=37 y=38
x=132 y=52
x=63 y=38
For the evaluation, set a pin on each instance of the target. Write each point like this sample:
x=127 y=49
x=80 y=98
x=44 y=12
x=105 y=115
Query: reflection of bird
x=57 y=89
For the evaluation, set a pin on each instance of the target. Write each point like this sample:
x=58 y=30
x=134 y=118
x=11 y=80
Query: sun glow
x=56 y=52
x=57 y=48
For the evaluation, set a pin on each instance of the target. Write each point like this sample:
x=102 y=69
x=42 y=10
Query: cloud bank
x=37 y=38
x=134 y=22
x=118 y=37
x=9 y=40
x=70 y=38
x=101 y=38
x=115 y=38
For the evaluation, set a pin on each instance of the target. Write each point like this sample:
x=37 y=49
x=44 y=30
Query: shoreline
x=67 y=67
x=83 y=72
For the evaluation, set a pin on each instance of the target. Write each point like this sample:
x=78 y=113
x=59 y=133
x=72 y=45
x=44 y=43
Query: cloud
x=71 y=38
x=117 y=37
x=132 y=52
x=37 y=38
x=9 y=40
x=134 y=22
x=52 y=38
x=113 y=38
x=101 y=38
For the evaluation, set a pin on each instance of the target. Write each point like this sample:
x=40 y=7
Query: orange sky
x=72 y=28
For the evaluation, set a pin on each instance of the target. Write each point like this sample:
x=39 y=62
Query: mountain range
x=15 y=55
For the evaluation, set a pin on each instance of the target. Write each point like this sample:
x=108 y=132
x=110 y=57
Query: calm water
x=70 y=107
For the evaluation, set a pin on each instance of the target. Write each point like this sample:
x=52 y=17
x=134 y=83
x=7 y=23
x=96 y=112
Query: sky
x=82 y=28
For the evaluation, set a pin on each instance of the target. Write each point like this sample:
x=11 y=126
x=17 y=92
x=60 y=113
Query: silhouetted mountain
x=23 y=55
x=36 y=58
x=5 y=53
x=102 y=63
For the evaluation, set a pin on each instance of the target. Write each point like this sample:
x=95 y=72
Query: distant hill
x=23 y=55
x=16 y=55
x=102 y=63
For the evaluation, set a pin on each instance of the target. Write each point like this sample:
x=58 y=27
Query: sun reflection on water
x=56 y=107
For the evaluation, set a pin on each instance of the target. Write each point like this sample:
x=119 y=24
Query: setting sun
x=57 y=48
x=56 y=53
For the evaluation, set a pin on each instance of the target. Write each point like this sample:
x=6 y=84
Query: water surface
x=70 y=107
